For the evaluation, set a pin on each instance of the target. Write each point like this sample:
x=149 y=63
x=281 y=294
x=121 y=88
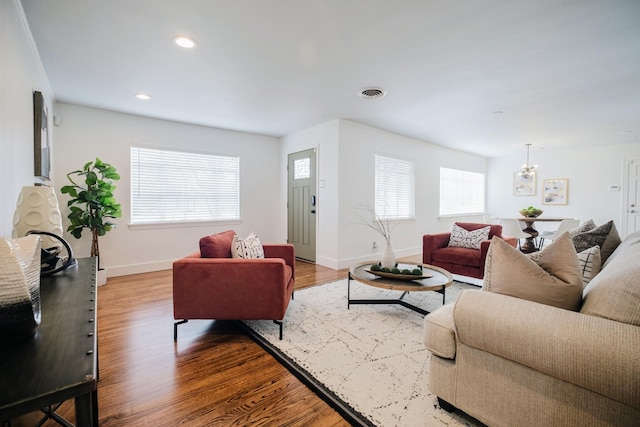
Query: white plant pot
x=102 y=276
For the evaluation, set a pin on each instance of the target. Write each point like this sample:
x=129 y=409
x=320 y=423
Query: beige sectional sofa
x=511 y=362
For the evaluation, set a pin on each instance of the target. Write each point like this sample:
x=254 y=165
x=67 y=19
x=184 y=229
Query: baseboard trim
x=126 y=270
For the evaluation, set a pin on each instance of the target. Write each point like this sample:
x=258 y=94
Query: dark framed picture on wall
x=40 y=136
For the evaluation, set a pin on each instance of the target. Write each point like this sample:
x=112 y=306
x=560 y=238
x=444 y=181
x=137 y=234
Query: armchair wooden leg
x=175 y=328
x=279 y=323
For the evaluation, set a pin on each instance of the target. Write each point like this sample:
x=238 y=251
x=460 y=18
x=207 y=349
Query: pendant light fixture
x=526 y=168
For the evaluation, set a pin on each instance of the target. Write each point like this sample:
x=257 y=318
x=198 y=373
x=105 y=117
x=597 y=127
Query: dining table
x=530 y=244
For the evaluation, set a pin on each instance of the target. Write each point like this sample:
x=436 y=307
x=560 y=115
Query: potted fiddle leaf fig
x=92 y=204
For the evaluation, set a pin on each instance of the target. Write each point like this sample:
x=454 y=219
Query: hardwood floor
x=213 y=376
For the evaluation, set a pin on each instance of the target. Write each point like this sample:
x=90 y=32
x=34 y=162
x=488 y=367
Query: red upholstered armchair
x=462 y=261
x=225 y=288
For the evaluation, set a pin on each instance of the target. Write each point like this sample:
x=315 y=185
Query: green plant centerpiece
x=92 y=204
x=530 y=212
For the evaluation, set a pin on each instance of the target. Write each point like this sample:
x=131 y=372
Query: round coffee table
x=440 y=279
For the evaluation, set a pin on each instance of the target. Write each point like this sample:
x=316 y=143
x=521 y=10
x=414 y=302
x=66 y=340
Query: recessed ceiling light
x=372 y=93
x=142 y=96
x=498 y=112
x=185 y=42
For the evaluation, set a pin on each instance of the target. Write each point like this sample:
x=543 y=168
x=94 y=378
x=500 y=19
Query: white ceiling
x=565 y=74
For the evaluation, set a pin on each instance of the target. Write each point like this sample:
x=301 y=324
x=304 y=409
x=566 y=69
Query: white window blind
x=394 y=188
x=461 y=192
x=173 y=186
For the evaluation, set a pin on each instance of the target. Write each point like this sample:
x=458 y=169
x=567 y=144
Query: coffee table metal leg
x=399 y=301
x=349 y=291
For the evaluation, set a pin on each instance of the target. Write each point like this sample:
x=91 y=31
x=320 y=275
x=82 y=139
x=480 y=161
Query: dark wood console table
x=60 y=361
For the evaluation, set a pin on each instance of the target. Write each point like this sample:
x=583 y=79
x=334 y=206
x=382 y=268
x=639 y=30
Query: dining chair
x=511 y=227
x=565 y=225
x=488 y=219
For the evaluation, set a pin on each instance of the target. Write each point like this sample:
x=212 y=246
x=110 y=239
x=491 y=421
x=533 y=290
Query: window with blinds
x=173 y=186
x=461 y=192
x=394 y=188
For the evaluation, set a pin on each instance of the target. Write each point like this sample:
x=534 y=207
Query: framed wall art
x=555 y=191
x=524 y=185
x=41 y=162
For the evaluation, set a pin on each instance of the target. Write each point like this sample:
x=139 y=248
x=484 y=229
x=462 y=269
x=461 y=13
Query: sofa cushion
x=217 y=245
x=439 y=332
x=549 y=277
x=458 y=256
x=251 y=247
x=615 y=292
x=462 y=238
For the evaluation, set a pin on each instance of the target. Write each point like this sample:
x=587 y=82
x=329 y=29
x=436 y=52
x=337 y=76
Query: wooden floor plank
x=213 y=376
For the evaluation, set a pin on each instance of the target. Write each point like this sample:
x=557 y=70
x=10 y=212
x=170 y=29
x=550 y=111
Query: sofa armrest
x=439 y=334
x=430 y=242
x=591 y=352
x=284 y=251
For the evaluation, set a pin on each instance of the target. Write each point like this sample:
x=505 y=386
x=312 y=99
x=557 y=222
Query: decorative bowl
x=398 y=276
x=530 y=213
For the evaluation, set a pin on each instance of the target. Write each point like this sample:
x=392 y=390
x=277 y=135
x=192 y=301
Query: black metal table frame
x=398 y=301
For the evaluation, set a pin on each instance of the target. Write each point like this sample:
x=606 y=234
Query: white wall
x=21 y=73
x=590 y=170
x=87 y=133
x=358 y=145
x=324 y=138
x=346 y=152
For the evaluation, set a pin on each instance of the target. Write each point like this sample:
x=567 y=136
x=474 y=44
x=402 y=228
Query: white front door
x=302 y=203
x=631 y=212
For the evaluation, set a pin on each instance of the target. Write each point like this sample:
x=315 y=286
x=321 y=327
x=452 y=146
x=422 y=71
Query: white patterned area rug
x=368 y=361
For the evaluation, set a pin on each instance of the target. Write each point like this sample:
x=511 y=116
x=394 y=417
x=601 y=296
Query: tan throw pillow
x=554 y=279
x=462 y=238
x=251 y=247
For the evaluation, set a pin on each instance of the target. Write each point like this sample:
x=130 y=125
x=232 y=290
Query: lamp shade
x=37 y=209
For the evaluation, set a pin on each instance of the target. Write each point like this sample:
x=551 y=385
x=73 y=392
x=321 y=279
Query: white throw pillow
x=251 y=247
x=590 y=264
x=462 y=238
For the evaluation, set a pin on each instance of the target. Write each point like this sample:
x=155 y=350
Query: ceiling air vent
x=372 y=93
